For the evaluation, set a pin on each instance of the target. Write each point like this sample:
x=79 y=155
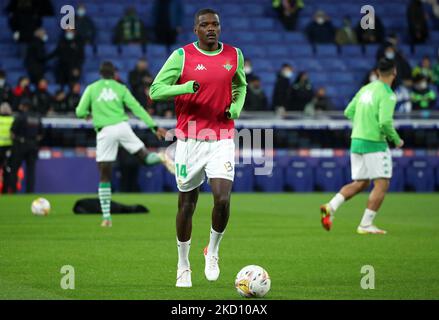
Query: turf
x=136 y=259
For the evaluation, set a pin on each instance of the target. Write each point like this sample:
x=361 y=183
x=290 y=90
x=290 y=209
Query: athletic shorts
x=109 y=138
x=196 y=159
x=370 y=166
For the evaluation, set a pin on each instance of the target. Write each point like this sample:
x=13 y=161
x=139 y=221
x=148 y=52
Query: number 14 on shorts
x=181 y=170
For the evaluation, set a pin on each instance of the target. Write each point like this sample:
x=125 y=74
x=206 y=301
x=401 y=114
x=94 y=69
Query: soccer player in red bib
x=208 y=82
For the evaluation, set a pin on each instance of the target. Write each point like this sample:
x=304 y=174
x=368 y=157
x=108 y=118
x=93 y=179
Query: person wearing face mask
x=299 y=93
x=70 y=58
x=371 y=76
x=281 y=86
x=41 y=98
x=84 y=25
x=404 y=70
x=35 y=60
x=255 y=100
x=130 y=29
x=320 y=102
x=346 y=34
x=423 y=97
x=248 y=70
x=321 y=29
x=5 y=88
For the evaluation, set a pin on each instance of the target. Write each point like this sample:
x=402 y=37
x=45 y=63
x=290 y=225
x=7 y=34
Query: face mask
x=390 y=55
x=423 y=85
x=287 y=74
x=45 y=38
x=248 y=69
x=373 y=78
x=70 y=36
x=2 y=82
x=81 y=12
x=320 y=20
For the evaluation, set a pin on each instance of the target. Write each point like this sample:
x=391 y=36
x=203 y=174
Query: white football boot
x=370 y=230
x=184 y=279
x=211 y=268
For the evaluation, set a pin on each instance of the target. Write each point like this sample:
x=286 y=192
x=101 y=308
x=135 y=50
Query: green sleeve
x=164 y=86
x=386 y=109
x=239 y=88
x=138 y=110
x=349 y=112
x=83 y=108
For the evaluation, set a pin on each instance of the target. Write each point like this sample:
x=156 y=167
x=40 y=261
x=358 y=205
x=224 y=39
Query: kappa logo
x=107 y=95
x=200 y=67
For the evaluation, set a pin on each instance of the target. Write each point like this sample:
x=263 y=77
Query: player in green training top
x=105 y=99
x=371 y=112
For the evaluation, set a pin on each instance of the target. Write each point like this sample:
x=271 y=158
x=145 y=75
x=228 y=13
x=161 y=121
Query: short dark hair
x=203 y=12
x=385 y=66
x=107 y=70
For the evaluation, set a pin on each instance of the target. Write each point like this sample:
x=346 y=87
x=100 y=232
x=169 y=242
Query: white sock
x=368 y=217
x=336 y=202
x=215 y=239
x=183 y=254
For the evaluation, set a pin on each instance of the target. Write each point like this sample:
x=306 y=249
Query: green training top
x=164 y=86
x=371 y=111
x=106 y=98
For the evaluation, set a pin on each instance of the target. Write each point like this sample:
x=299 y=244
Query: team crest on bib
x=228 y=66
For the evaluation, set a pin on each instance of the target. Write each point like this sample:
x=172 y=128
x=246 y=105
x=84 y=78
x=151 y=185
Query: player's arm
x=349 y=112
x=164 y=86
x=386 y=109
x=83 y=108
x=239 y=89
x=138 y=110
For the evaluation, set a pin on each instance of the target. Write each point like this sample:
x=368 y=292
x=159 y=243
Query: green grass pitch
x=136 y=259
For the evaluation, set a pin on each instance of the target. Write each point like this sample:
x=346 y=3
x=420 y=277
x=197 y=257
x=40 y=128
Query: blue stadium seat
x=354 y=51
x=326 y=50
x=295 y=38
x=254 y=51
x=371 y=50
x=271 y=183
x=299 y=176
x=420 y=176
x=308 y=64
x=278 y=51
x=262 y=24
x=132 y=50
x=107 y=50
x=303 y=50
x=263 y=64
x=12 y=63
x=244 y=178
x=169 y=183
x=334 y=64
x=397 y=183
x=329 y=176
x=91 y=77
x=151 y=179
x=269 y=37
x=425 y=50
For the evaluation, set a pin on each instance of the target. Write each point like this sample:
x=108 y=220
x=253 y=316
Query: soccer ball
x=40 y=207
x=252 y=282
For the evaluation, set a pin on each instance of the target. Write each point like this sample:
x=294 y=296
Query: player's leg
x=380 y=167
x=220 y=171
x=135 y=146
x=361 y=182
x=104 y=192
x=187 y=202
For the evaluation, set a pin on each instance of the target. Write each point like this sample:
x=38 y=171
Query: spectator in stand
x=346 y=34
x=130 y=29
x=248 y=70
x=21 y=91
x=423 y=96
x=255 y=100
x=371 y=36
x=41 y=99
x=35 y=60
x=404 y=70
x=60 y=103
x=167 y=21
x=140 y=78
x=73 y=97
x=5 y=88
x=321 y=29
x=25 y=16
x=320 y=102
x=417 y=22
x=84 y=25
x=403 y=99
x=6 y=120
x=288 y=11
x=70 y=55
x=281 y=86
x=424 y=68
x=27 y=132
x=300 y=93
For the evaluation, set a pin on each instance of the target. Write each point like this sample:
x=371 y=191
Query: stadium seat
x=397 y=183
x=271 y=183
x=244 y=178
x=420 y=176
x=151 y=179
x=299 y=176
x=329 y=176
x=326 y=50
x=107 y=50
x=169 y=183
x=351 y=51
